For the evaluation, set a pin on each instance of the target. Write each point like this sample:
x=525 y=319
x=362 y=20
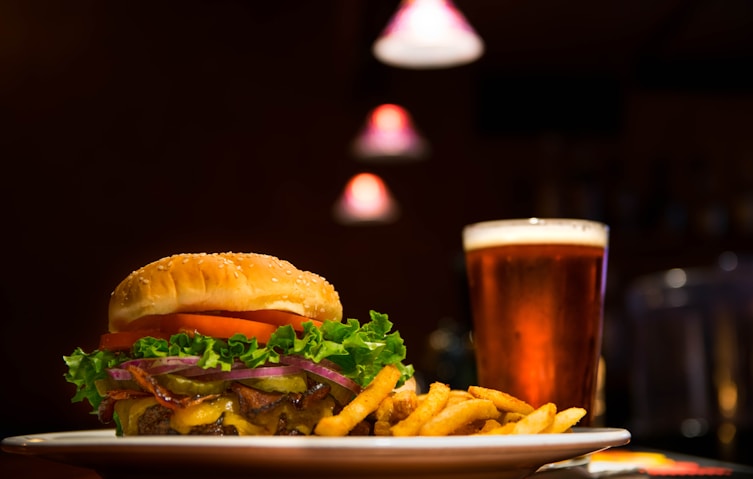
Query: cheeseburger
x=229 y=344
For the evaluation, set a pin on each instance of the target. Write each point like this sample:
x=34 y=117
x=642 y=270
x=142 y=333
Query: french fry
x=382 y=417
x=385 y=410
x=489 y=425
x=404 y=403
x=433 y=402
x=565 y=419
x=458 y=395
x=537 y=421
x=382 y=428
x=453 y=417
x=511 y=417
x=507 y=428
x=443 y=411
x=506 y=423
x=469 y=429
x=361 y=406
x=503 y=401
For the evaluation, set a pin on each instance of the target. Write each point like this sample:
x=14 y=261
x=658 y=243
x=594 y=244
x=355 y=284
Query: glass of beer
x=537 y=299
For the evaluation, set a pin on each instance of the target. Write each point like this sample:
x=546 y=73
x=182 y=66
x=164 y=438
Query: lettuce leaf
x=359 y=350
x=84 y=369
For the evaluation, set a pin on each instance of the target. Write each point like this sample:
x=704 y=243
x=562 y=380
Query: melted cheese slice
x=226 y=407
x=130 y=410
x=209 y=412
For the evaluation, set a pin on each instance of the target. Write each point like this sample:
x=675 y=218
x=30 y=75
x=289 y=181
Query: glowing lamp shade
x=389 y=134
x=428 y=34
x=365 y=199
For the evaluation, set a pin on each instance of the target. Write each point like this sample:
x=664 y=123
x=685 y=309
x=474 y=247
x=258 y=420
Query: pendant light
x=365 y=199
x=426 y=34
x=389 y=135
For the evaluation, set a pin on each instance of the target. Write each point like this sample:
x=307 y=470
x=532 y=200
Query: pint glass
x=537 y=295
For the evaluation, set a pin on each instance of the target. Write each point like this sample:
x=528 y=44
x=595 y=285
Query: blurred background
x=134 y=130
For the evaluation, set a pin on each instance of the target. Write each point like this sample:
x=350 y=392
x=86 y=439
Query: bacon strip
x=163 y=395
x=252 y=400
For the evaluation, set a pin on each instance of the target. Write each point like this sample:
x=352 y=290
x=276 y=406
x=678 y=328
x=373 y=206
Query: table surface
x=616 y=463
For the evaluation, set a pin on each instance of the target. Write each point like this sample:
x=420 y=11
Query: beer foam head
x=535 y=231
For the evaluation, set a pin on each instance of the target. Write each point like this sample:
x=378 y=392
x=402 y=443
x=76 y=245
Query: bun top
x=203 y=282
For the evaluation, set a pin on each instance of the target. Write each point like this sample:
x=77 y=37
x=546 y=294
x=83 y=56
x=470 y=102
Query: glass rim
x=535 y=231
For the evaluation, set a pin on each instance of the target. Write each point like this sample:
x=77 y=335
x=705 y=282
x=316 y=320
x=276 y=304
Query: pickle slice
x=290 y=383
x=190 y=387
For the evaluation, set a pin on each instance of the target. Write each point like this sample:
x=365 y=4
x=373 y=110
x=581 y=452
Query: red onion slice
x=154 y=366
x=247 y=373
x=119 y=374
x=321 y=370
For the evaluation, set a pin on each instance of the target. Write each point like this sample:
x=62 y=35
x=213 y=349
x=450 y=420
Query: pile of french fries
x=443 y=411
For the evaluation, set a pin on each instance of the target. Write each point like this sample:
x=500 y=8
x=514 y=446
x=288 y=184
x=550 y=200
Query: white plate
x=457 y=457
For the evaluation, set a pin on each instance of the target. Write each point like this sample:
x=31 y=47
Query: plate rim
x=106 y=438
x=447 y=457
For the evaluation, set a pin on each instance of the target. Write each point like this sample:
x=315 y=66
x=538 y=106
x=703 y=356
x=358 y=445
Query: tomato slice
x=216 y=326
x=278 y=318
x=252 y=324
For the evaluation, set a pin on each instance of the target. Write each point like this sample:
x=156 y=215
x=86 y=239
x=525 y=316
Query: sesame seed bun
x=203 y=282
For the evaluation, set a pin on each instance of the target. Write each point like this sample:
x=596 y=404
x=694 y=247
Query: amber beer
x=537 y=293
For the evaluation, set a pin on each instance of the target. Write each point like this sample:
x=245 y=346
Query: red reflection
x=389 y=133
x=389 y=117
x=365 y=199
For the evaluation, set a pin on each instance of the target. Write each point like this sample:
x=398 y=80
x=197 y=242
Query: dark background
x=134 y=130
